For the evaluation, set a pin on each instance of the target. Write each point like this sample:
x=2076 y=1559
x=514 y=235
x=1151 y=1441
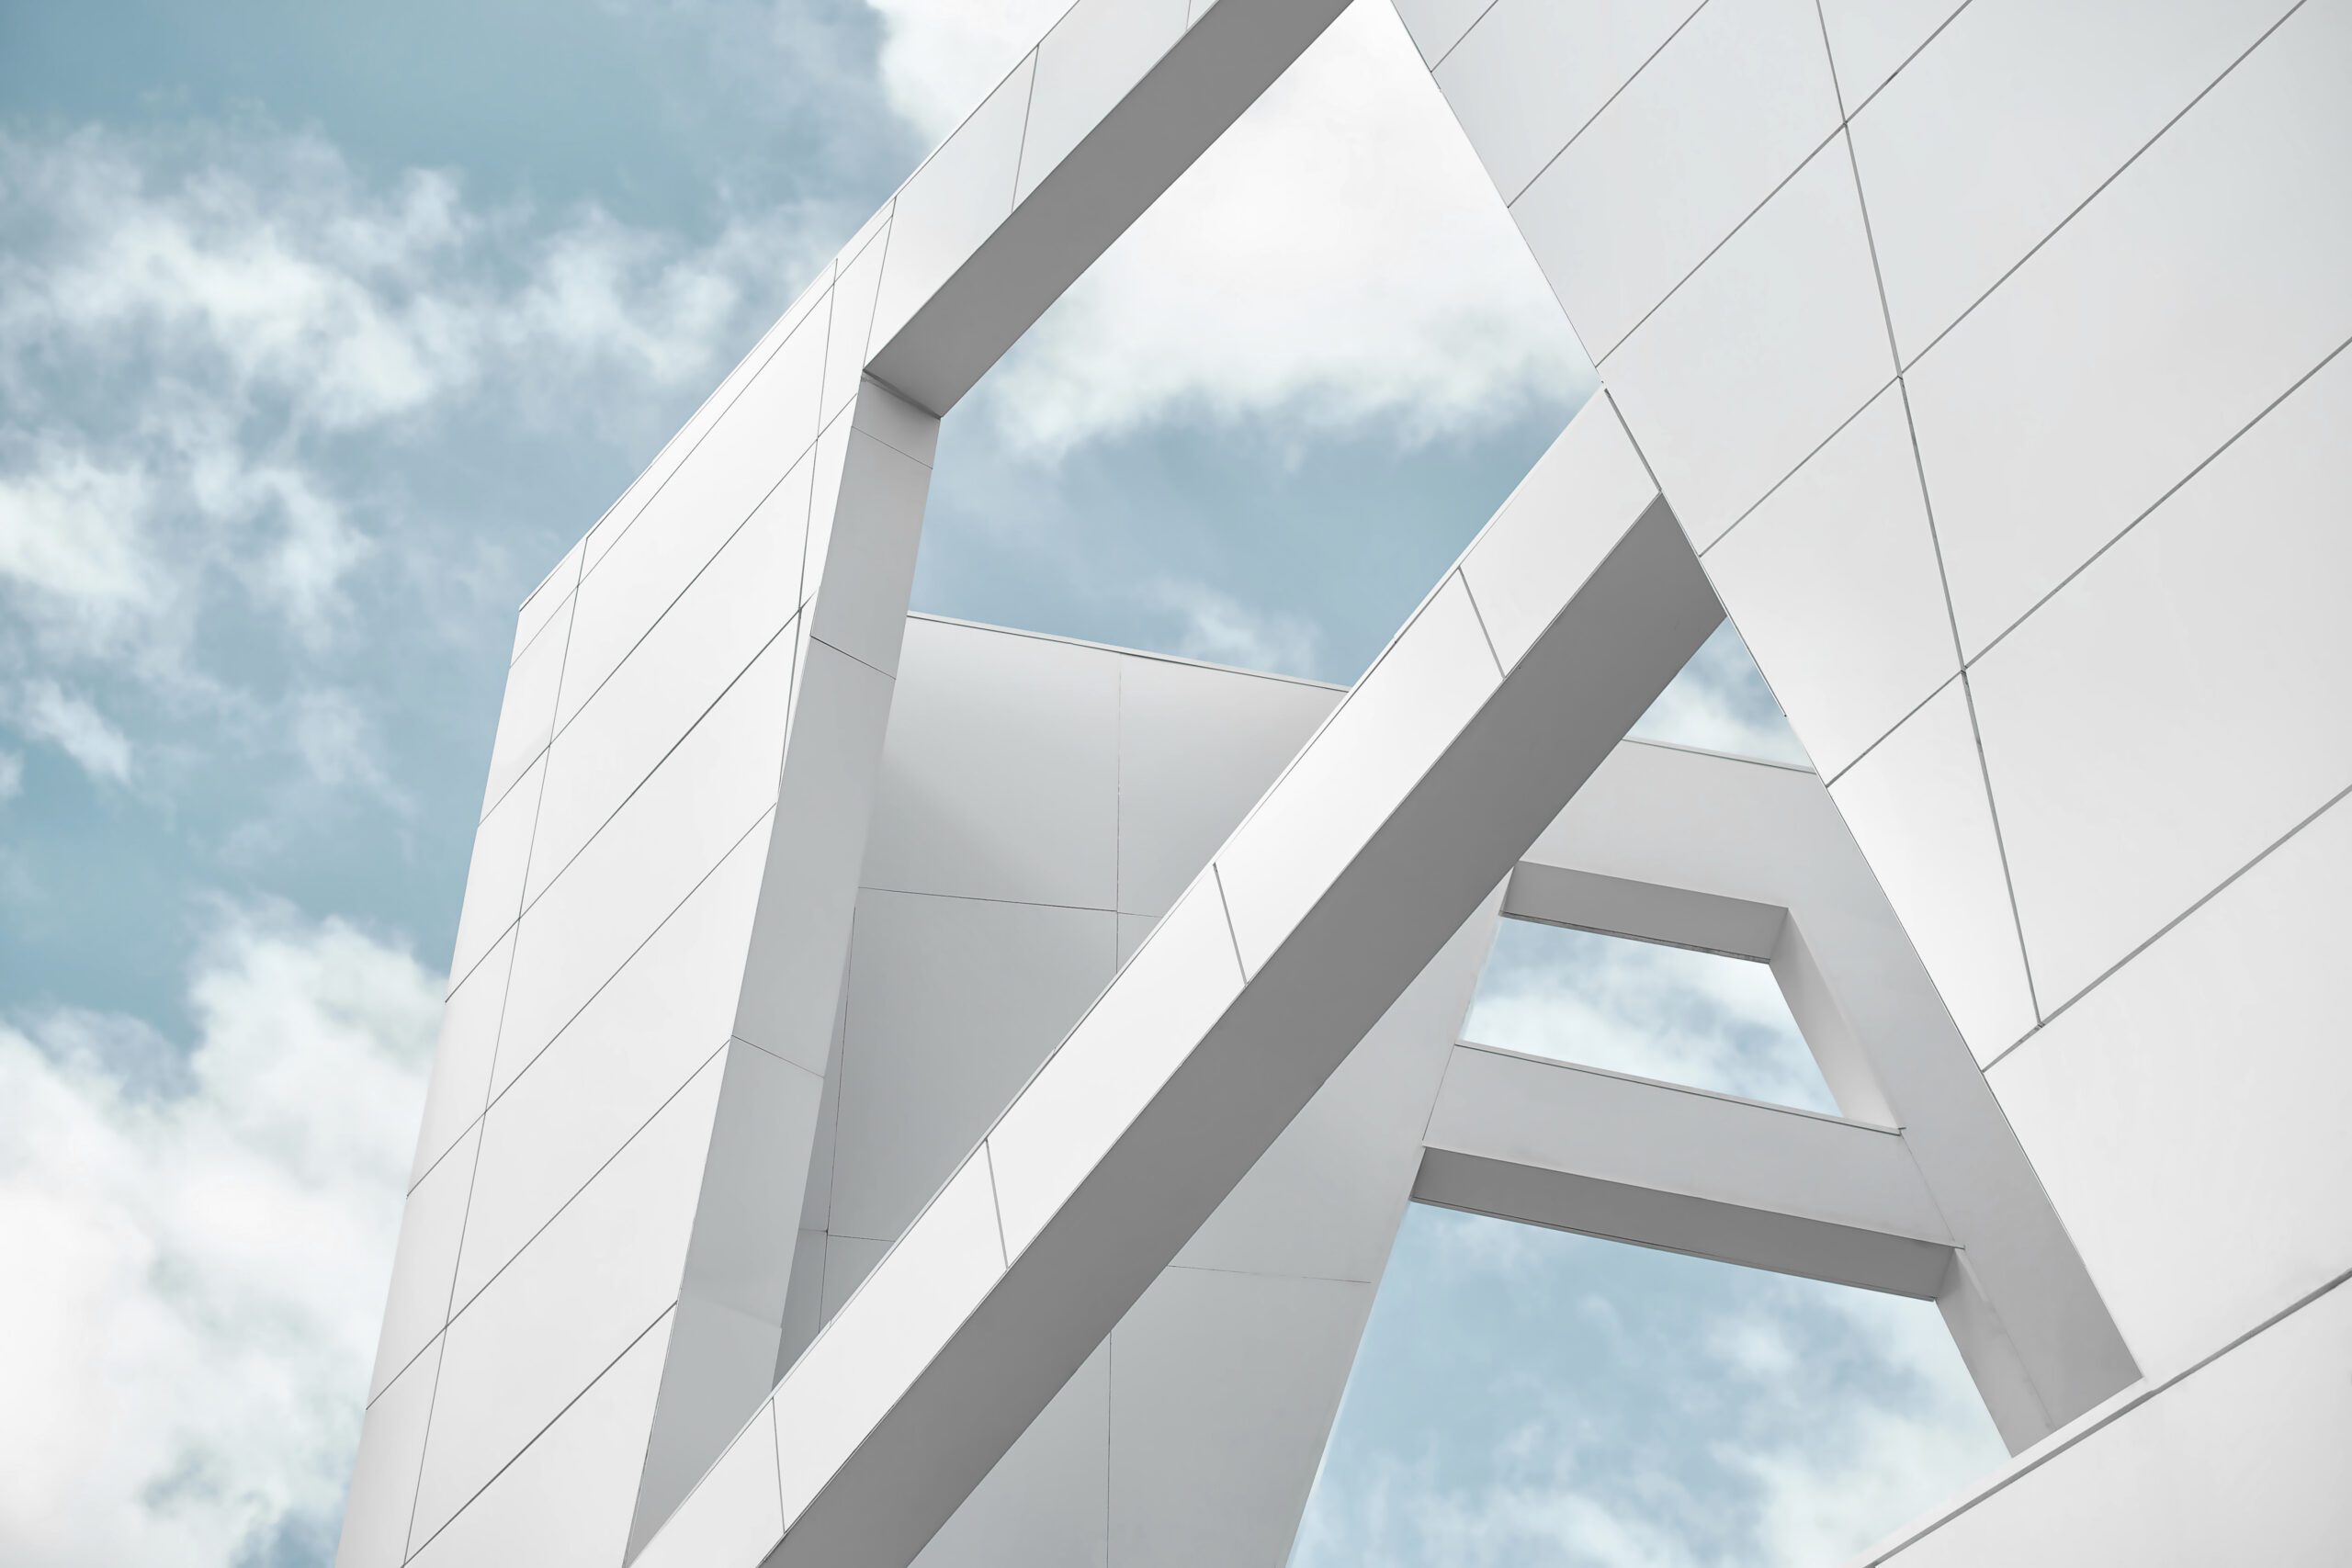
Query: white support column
x=871 y=475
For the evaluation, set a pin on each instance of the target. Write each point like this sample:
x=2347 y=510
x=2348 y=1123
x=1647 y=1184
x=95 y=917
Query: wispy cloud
x=45 y=711
x=1218 y=627
x=202 y=1238
x=1634 y=1007
x=226 y=355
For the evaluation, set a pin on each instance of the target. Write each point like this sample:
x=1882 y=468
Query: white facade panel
x=586 y=1289
x=2156 y=679
x=662 y=689
x=848 y=1260
x=864 y=538
x=732 y=1516
x=813 y=304
x=1871 y=39
x=895 y=422
x=646 y=570
x=2176 y=306
x=1519 y=120
x=1197 y=749
x=566 y=1497
x=1727 y=110
x=2056 y=98
x=1436 y=26
x=952 y=1002
x=852 y=317
x=1835 y=586
x=1222 y=1388
x=526 y=713
x=800 y=936
x=734 y=469
x=460 y=1090
x=547 y=599
x=1040 y=770
x=494 y=876
x=2188 y=1116
x=702 y=799
x=423 y=1263
x=1761 y=356
x=2106 y=730
x=635 y=1045
x=1917 y=807
x=383 y=1474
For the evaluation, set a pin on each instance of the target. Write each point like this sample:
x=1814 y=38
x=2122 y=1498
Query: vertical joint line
x=1029 y=107
x=1225 y=909
x=1479 y=616
x=2000 y=843
x=1634 y=441
x=996 y=1203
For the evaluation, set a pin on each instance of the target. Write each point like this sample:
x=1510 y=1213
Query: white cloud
x=199 y=1247
x=74 y=556
x=1636 y=1007
x=46 y=711
x=12 y=775
x=1730 y=1417
x=1337 y=262
x=1218 y=627
x=193 y=332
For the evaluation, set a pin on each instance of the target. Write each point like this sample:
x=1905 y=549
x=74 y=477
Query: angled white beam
x=1118 y=100
x=1646 y=911
x=1503 y=693
x=1578 y=1149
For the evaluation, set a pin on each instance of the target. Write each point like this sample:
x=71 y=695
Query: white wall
x=1988 y=354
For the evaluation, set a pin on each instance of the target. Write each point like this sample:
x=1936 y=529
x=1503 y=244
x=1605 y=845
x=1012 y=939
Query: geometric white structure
x=1988 y=376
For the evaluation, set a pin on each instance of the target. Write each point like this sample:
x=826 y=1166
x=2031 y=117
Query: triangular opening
x=1720 y=702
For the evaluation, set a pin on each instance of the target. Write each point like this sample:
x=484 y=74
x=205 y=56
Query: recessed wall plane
x=900 y=1088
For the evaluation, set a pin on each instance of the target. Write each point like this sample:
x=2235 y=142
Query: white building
x=917 y=1092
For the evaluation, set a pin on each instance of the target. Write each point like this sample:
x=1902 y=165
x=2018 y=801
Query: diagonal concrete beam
x=1504 y=692
x=1578 y=1149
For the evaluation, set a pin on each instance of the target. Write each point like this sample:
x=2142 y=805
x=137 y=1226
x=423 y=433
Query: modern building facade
x=916 y=1092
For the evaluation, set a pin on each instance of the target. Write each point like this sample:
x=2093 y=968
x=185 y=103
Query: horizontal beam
x=1646 y=911
x=1577 y=1149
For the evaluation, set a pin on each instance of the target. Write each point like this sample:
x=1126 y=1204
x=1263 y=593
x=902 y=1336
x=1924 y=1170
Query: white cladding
x=1987 y=355
x=2008 y=418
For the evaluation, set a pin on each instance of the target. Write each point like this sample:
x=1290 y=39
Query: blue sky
x=324 y=330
